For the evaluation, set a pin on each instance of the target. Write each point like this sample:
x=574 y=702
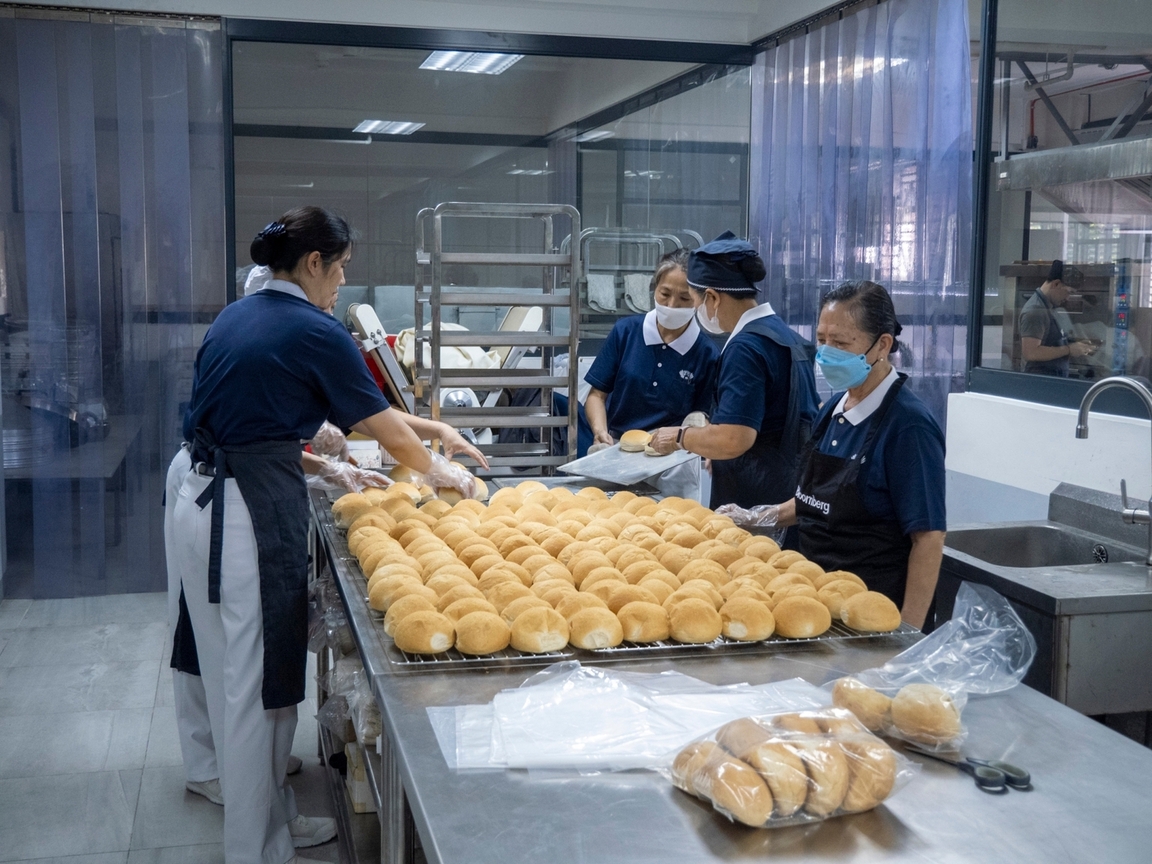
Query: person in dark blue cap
x=766 y=392
x=1043 y=343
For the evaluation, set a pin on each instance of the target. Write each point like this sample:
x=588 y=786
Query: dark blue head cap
x=726 y=264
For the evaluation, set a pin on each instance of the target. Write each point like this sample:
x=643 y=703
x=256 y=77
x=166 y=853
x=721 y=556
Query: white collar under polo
x=761 y=311
x=285 y=287
x=682 y=344
x=867 y=406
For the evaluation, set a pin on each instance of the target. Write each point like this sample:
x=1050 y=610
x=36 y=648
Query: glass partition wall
x=1070 y=179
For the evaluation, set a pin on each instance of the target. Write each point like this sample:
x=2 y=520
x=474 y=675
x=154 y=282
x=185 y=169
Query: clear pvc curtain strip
x=112 y=220
x=862 y=169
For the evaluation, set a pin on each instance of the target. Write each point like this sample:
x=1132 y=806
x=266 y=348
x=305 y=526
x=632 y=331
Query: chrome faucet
x=1130 y=516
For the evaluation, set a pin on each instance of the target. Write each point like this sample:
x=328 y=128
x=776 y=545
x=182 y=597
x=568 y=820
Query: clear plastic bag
x=794 y=768
x=920 y=694
x=363 y=710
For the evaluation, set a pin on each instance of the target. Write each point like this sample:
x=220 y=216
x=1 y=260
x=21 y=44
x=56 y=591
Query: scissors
x=991 y=776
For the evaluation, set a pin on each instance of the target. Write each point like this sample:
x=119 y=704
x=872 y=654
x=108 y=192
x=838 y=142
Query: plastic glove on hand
x=443 y=475
x=760 y=516
x=456 y=444
x=597 y=447
x=330 y=441
x=345 y=476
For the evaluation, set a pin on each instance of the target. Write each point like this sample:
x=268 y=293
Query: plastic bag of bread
x=788 y=769
x=919 y=695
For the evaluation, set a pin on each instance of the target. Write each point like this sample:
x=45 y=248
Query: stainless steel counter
x=1090 y=801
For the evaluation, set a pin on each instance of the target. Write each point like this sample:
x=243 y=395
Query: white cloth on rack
x=451 y=357
x=602 y=291
x=636 y=293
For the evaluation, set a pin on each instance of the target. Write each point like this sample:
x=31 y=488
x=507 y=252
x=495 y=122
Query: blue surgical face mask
x=842 y=369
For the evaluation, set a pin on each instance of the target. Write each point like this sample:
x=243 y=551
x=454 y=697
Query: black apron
x=836 y=529
x=766 y=473
x=271 y=479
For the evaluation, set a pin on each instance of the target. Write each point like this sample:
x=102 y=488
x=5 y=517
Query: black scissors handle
x=1015 y=777
x=988 y=779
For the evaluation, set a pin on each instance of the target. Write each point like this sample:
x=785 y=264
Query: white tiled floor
x=89 y=760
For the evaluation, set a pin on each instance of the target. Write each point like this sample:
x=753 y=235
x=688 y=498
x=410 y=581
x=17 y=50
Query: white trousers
x=253 y=744
x=192 y=722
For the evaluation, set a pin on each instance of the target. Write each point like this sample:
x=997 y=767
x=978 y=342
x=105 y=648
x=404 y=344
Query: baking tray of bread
x=542 y=574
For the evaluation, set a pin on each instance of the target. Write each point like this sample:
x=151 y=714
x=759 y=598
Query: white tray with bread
x=539 y=574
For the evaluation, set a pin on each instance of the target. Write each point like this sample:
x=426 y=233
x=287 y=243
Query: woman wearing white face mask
x=766 y=391
x=654 y=369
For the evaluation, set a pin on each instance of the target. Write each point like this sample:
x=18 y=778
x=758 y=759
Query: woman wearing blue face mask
x=654 y=369
x=870 y=498
x=766 y=391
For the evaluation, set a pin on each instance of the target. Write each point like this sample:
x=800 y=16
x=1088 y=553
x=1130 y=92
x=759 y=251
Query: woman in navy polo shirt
x=654 y=369
x=870 y=498
x=766 y=395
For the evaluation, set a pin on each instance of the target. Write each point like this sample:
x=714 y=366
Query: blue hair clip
x=273 y=229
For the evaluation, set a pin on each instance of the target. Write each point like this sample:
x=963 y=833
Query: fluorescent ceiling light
x=598 y=135
x=531 y=172
x=388 y=127
x=479 y=63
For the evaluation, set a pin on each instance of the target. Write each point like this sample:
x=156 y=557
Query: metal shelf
x=481 y=298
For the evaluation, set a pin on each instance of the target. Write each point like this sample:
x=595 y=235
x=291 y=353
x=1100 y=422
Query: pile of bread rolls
x=789 y=768
x=921 y=713
x=541 y=568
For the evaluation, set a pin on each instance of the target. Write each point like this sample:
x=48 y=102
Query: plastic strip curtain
x=862 y=169
x=114 y=266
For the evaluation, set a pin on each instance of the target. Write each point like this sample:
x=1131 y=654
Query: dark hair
x=871 y=308
x=299 y=232
x=677 y=259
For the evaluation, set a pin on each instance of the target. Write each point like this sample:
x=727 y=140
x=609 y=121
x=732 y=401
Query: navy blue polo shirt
x=904 y=479
x=755 y=377
x=273 y=367
x=651 y=384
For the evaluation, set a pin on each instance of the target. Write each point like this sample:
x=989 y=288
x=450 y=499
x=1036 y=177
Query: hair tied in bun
x=273 y=229
x=752 y=266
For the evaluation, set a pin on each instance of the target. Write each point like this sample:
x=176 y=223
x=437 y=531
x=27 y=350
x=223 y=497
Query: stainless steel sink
x=1039 y=545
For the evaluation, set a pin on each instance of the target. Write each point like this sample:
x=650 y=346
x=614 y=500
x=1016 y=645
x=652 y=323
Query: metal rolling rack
x=430 y=291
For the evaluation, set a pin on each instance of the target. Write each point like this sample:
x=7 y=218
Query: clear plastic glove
x=344 y=475
x=443 y=475
x=760 y=516
x=455 y=444
x=330 y=441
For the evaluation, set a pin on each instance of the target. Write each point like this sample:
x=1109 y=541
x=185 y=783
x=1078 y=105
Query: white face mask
x=710 y=325
x=674 y=317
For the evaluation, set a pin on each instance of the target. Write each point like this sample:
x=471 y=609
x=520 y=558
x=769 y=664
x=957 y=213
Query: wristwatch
x=680 y=438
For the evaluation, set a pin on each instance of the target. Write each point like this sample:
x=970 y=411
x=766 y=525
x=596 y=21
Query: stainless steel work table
x=1090 y=803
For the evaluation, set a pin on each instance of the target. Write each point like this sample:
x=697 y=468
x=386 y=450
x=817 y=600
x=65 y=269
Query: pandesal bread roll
x=443 y=584
x=475 y=551
x=403 y=474
x=480 y=633
x=467 y=606
x=374 y=517
x=527 y=487
x=740 y=736
x=549 y=585
x=871 y=707
x=497 y=532
x=481 y=493
x=403 y=607
x=785 y=559
x=347 y=508
x=838 y=575
x=661 y=574
x=695 y=621
x=746 y=620
x=435 y=508
x=925 y=714
x=539 y=630
x=870 y=612
x=733 y=536
x=585 y=562
x=380 y=592
x=801 y=618
x=595 y=628
x=871 y=772
x=516 y=570
x=689 y=538
x=457 y=593
x=471 y=505
x=411 y=533
x=827 y=769
x=397 y=506
x=681 y=594
x=736 y=789
x=634 y=441
x=495 y=577
x=552 y=545
x=786 y=580
x=375 y=495
x=485 y=563
x=798 y=721
x=507 y=496
x=810 y=569
x=364 y=535
x=636 y=571
x=600 y=574
x=504 y=593
x=570 y=604
x=387 y=598
x=407 y=491
x=518 y=541
x=522 y=604
x=674 y=558
x=792 y=591
x=658 y=589
x=688 y=764
x=554 y=595
x=643 y=622
x=759 y=547
x=723 y=555
x=784 y=772
x=709 y=571
x=522 y=553
x=458 y=538
x=833 y=595
x=602 y=589
x=593 y=531
x=395 y=568
x=707 y=589
x=744 y=565
x=623 y=594
x=555 y=570
x=425 y=633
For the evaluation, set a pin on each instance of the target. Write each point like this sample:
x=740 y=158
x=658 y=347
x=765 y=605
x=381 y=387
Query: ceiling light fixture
x=388 y=127
x=598 y=135
x=478 y=63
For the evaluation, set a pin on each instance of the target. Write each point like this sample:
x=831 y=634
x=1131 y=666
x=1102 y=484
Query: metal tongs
x=991 y=775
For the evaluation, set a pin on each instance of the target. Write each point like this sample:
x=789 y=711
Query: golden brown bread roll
x=674 y=558
x=735 y=788
x=455 y=611
x=689 y=538
x=792 y=591
x=505 y=592
x=871 y=707
x=643 y=622
x=570 y=604
x=436 y=508
x=723 y=555
x=740 y=736
x=386 y=599
x=872 y=772
x=784 y=772
x=516 y=570
x=870 y=612
x=475 y=551
x=833 y=595
x=485 y=563
x=594 y=628
x=786 y=580
x=347 y=508
x=585 y=562
x=511 y=544
x=443 y=584
x=827 y=768
x=552 y=545
x=507 y=496
x=458 y=593
x=637 y=570
x=733 y=536
x=373 y=517
x=759 y=547
x=521 y=604
x=753 y=594
x=784 y=559
x=688 y=764
x=403 y=474
x=658 y=589
x=599 y=574
x=634 y=440
x=926 y=714
x=364 y=535
x=479 y=633
x=803 y=722
x=425 y=633
x=810 y=569
x=393 y=569
x=550 y=585
x=539 y=630
x=837 y=575
x=403 y=607
x=623 y=594
x=706 y=588
x=527 y=487
x=801 y=618
x=746 y=620
x=603 y=589
x=744 y=565
x=706 y=569
x=555 y=570
x=405 y=490
x=695 y=621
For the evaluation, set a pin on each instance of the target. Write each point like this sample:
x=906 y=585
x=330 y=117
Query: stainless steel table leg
x=396 y=840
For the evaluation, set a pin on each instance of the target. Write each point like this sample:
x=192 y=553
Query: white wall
x=1005 y=456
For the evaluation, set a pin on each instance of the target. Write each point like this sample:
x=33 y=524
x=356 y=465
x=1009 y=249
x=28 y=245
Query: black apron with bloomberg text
x=766 y=472
x=270 y=477
x=835 y=528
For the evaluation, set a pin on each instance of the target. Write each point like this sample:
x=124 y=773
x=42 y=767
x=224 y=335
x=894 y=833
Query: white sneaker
x=311 y=831
x=210 y=789
x=295 y=763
